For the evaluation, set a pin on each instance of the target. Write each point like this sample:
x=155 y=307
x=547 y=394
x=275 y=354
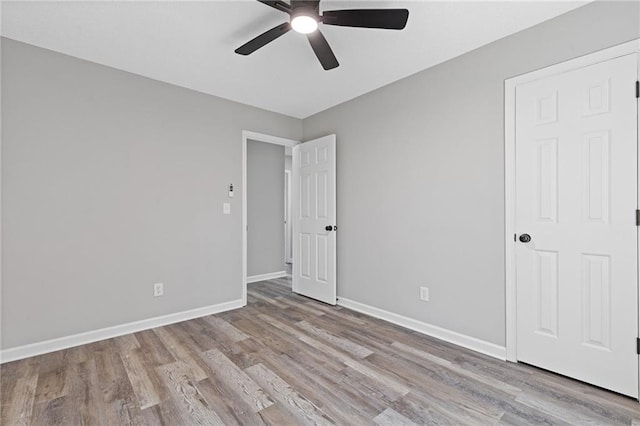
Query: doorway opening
x=288 y=230
x=265 y=208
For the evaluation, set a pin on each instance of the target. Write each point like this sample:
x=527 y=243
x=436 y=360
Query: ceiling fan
x=305 y=17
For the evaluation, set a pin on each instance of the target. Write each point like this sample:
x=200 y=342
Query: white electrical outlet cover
x=158 y=289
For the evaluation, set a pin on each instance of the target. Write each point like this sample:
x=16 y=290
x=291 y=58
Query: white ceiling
x=191 y=44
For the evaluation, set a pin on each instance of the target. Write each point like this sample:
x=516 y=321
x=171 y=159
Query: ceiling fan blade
x=388 y=19
x=277 y=4
x=322 y=50
x=264 y=38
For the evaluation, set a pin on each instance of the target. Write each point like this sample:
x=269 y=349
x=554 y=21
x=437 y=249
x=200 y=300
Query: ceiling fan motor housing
x=301 y=8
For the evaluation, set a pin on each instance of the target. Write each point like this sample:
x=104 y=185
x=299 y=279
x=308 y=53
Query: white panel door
x=314 y=219
x=576 y=196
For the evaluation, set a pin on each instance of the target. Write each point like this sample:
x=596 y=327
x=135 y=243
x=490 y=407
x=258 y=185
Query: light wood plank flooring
x=286 y=360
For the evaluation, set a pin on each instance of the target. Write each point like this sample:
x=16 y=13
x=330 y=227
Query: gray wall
x=265 y=208
x=112 y=182
x=421 y=175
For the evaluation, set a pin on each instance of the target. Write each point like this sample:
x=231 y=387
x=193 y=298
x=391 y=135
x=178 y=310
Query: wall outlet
x=158 y=289
x=424 y=293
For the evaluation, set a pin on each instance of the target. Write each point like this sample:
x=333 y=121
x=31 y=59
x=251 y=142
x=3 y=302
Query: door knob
x=525 y=238
x=328 y=228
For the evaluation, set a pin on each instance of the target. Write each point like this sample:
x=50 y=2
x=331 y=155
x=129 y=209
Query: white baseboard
x=456 y=338
x=264 y=277
x=39 y=348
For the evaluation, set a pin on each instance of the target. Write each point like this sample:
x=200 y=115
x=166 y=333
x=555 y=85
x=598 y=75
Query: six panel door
x=576 y=196
x=314 y=219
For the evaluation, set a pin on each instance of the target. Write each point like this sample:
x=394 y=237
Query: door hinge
x=637 y=89
x=637 y=217
x=638 y=346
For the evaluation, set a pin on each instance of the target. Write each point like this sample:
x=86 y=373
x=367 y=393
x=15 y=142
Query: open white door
x=314 y=219
x=576 y=198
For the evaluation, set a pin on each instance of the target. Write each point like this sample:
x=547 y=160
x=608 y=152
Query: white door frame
x=509 y=159
x=260 y=137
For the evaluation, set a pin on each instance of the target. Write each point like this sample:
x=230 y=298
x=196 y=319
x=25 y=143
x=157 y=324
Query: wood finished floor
x=286 y=360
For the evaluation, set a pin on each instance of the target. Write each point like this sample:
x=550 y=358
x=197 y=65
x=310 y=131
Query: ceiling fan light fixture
x=304 y=24
x=304 y=17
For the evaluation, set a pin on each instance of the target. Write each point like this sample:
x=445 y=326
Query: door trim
x=509 y=168
x=260 y=137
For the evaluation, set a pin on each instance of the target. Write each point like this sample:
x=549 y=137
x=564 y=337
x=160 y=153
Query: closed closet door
x=576 y=197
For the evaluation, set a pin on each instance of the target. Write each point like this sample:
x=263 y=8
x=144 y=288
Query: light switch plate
x=226 y=208
x=424 y=294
